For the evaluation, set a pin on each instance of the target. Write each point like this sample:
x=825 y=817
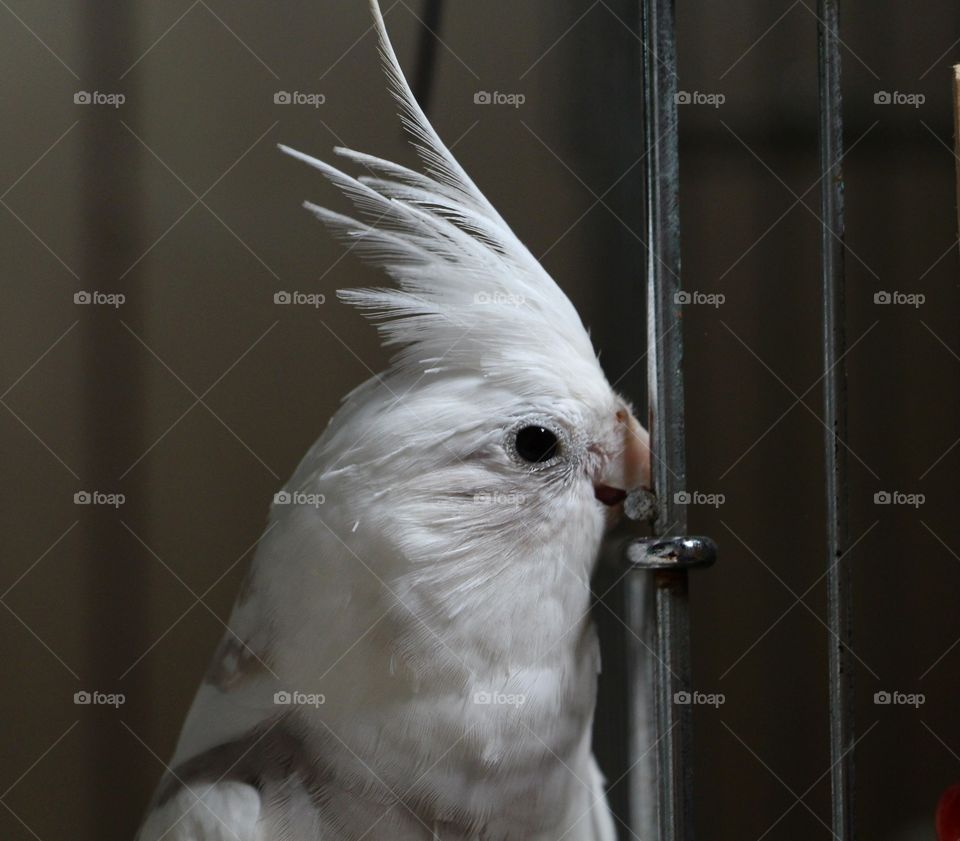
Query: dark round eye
x=536 y=444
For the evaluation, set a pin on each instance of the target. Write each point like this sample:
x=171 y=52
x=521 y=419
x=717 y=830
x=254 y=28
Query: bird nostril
x=608 y=495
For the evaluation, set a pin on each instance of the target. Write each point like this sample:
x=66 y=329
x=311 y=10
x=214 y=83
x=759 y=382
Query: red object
x=948 y=815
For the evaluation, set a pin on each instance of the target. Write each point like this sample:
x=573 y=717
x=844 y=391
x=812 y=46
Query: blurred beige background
x=196 y=397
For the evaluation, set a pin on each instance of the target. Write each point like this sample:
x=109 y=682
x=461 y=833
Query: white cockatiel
x=411 y=656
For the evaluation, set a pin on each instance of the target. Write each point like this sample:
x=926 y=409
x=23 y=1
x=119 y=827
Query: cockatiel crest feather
x=471 y=295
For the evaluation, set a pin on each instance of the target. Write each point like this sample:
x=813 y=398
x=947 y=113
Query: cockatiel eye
x=536 y=444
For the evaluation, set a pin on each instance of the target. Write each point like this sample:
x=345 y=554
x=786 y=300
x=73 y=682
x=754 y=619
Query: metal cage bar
x=667 y=558
x=114 y=384
x=427 y=52
x=834 y=401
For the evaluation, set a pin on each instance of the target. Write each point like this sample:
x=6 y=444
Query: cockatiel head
x=433 y=547
x=495 y=431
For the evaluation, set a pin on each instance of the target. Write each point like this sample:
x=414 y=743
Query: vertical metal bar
x=641 y=767
x=427 y=52
x=117 y=594
x=672 y=667
x=834 y=399
x=956 y=135
x=665 y=383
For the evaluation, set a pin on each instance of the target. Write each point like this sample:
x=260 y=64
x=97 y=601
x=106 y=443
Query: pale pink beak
x=631 y=469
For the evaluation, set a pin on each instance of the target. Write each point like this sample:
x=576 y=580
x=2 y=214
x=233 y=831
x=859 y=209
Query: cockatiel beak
x=628 y=467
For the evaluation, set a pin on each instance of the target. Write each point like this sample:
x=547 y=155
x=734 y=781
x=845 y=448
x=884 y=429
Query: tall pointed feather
x=470 y=293
x=432 y=149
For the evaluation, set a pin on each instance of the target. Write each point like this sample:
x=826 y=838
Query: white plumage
x=413 y=658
